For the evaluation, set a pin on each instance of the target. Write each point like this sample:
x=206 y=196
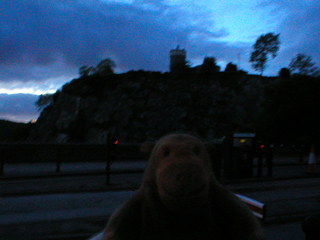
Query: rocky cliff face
x=139 y=106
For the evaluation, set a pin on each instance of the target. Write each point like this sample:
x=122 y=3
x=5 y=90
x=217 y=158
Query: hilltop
x=139 y=105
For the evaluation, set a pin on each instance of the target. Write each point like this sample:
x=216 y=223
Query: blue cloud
x=40 y=34
x=49 y=39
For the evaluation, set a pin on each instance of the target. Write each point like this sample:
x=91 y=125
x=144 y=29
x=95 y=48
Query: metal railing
x=66 y=153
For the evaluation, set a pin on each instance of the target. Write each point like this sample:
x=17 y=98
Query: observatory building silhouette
x=177 y=59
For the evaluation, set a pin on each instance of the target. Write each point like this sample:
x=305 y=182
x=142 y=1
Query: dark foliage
x=266 y=45
x=14 y=132
x=303 y=64
x=284 y=73
x=290 y=110
x=209 y=65
x=93 y=85
x=231 y=67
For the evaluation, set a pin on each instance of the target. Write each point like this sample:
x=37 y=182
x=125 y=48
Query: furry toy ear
x=146 y=149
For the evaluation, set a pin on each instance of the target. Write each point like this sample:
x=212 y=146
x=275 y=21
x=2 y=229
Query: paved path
x=82 y=214
x=54 y=214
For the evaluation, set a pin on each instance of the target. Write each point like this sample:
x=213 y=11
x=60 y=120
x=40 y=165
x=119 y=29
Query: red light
x=116 y=141
x=262 y=146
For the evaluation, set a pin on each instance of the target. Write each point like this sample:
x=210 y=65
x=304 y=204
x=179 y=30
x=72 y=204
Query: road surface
x=84 y=213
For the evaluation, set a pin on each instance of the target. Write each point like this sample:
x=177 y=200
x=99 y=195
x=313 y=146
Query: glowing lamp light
x=242 y=140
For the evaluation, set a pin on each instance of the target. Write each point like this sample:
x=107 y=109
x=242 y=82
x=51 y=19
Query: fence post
x=2 y=157
x=108 y=160
x=58 y=168
x=108 y=169
x=269 y=159
x=2 y=168
x=260 y=165
x=111 y=144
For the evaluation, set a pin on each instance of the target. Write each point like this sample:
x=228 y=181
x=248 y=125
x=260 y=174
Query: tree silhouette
x=284 y=73
x=85 y=71
x=209 y=65
x=289 y=110
x=105 y=67
x=47 y=99
x=265 y=45
x=231 y=67
x=303 y=64
x=44 y=100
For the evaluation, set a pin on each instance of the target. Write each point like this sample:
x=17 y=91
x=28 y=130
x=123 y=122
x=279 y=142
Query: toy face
x=182 y=176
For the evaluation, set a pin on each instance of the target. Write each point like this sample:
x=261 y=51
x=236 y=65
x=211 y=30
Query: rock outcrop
x=139 y=106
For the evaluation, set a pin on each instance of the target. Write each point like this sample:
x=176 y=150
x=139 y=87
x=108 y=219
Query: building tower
x=177 y=59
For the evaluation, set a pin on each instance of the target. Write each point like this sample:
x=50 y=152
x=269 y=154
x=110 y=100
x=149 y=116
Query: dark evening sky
x=44 y=42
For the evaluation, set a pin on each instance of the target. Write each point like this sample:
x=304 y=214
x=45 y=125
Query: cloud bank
x=47 y=39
